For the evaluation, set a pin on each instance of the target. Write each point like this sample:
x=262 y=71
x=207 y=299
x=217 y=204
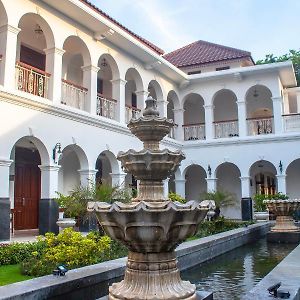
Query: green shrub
x=259 y=204
x=15 y=253
x=175 y=197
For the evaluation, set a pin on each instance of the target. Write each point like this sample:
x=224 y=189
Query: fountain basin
x=151 y=164
x=149 y=228
x=283 y=207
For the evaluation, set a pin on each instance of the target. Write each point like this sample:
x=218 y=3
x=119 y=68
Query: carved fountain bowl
x=150 y=164
x=149 y=228
x=150 y=128
x=282 y=207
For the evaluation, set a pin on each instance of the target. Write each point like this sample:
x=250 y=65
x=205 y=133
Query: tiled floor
x=23 y=236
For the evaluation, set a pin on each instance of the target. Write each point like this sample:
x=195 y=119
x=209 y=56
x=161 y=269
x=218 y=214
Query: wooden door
x=27 y=194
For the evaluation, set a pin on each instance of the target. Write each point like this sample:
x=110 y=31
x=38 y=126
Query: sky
x=258 y=26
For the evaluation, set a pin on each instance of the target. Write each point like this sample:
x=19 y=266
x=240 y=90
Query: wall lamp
x=57 y=153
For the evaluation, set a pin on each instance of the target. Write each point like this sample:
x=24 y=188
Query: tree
x=293 y=55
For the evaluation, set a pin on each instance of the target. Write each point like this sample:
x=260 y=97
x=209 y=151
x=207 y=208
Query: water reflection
x=231 y=275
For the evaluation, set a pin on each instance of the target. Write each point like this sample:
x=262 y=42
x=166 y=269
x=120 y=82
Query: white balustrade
x=225 y=129
x=260 y=126
x=172 y=132
x=292 y=122
x=194 y=132
x=106 y=107
x=73 y=94
x=32 y=80
x=131 y=113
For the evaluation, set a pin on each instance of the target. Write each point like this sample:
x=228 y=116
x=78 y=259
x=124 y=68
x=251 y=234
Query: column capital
x=142 y=93
x=208 y=106
x=90 y=68
x=281 y=176
x=119 y=81
x=180 y=180
x=87 y=172
x=244 y=178
x=55 y=50
x=117 y=174
x=49 y=168
x=211 y=179
x=177 y=110
x=241 y=102
x=10 y=28
x=276 y=99
x=5 y=162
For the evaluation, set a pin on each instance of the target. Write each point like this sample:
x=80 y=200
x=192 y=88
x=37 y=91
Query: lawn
x=10 y=274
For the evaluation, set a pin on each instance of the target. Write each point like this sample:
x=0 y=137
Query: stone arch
x=193 y=109
x=155 y=90
x=263 y=177
x=107 y=59
x=293 y=179
x=3 y=15
x=259 y=102
x=195 y=183
x=228 y=180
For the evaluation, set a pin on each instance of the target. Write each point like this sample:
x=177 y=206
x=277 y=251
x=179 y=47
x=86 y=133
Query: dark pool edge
x=87 y=282
x=287 y=272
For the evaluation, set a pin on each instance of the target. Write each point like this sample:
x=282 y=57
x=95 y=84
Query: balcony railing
x=106 y=107
x=73 y=94
x=258 y=126
x=131 y=112
x=291 y=122
x=194 y=131
x=226 y=129
x=32 y=80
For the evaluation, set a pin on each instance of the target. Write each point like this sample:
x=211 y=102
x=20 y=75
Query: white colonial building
x=71 y=77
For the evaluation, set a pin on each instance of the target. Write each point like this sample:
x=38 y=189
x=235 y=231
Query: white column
x=211 y=184
x=242 y=118
x=162 y=106
x=209 y=113
x=281 y=183
x=8 y=50
x=166 y=187
x=141 y=96
x=180 y=187
x=4 y=199
x=87 y=177
x=54 y=58
x=298 y=102
x=118 y=93
x=49 y=181
x=178 y=119
x=245 y=186
x=118 y=179
x=277 y=112
x=90 y=74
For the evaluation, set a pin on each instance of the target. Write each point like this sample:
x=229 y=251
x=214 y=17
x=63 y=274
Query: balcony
x=194 y=132
x=106 y=107
x=226 y=129
x=291 y=122
x=258 y=126
x=131 y=112
x=32 y=80
x=73 y=95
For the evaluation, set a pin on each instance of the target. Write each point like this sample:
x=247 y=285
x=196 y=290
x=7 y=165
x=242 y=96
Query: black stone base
x=283 y=237
x=204 y=295
x=4 y=219
x=246 y=209
x=48 y=216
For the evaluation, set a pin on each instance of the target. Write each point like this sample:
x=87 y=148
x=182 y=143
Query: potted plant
x=261 y=213
x=220 y=198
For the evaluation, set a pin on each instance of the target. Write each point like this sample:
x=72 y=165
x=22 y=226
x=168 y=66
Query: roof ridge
x=104 y=14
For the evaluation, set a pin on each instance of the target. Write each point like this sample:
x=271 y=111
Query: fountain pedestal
x=151 y=226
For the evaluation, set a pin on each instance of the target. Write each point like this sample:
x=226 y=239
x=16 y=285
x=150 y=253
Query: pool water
x=232 y=275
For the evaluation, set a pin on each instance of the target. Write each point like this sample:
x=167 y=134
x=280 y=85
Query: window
x=222 y=68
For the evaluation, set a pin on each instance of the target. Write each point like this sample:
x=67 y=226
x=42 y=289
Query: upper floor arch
x=155 y=90
x=3 y=15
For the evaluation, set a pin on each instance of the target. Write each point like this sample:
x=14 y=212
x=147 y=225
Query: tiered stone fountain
x=151 y=226
x=284 y=229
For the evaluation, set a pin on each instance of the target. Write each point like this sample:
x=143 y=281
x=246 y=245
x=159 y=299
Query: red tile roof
x=144 y=41
x=202 y=52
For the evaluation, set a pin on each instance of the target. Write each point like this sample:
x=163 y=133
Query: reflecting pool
x=232 y=275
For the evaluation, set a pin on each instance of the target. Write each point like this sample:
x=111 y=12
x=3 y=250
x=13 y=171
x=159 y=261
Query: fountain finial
x=151 y=107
